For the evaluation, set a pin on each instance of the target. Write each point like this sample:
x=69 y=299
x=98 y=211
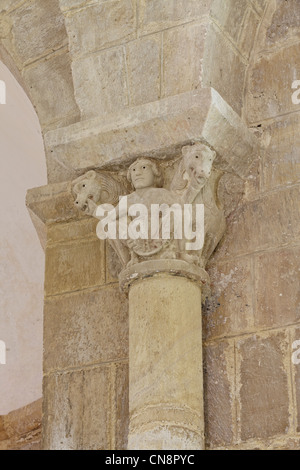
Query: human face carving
x=142 y=175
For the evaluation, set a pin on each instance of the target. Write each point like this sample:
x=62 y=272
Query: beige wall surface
x=22 y=166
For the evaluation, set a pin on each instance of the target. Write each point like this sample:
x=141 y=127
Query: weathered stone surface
x=69 y=423
x=121 y=405
x=53 y=203
x=101 y=25
x=21 y=429
x=6 y=5
x=157 y=129
x=86 y=409
x=38 y=29
x=264 y=399
x=165 y=349
x=85 y=328
x=285 y=22
x=230 y=310
x=277 y=296
x=264 y=223
x=144 y=67
x=113 y=265
x=158 y=15
x=96 y=416
x=100 y=83
x=182 y=59
x=260 y=4
x=282 y=159
x=62 y=411
x=248 y=33
x=50 y=78
x=270 y=84
x=40 y=228
x=220 y=64
x=230 y=16
x=74 y=266
x=61 y=232
x=218 y=393
x=66 y=5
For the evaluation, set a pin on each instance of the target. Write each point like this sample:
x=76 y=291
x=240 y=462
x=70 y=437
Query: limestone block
x=113 y=265
x=158 y=15
x=66 y=5
x=51 y=78
x=260 y=5
x=77 y=410
x=268 y=222
x=23 y=420
x=182 y=59
x=230 y=309
x=52 y=203
x=157 y=129
x=144 y=65
x=38 y=29
x=230 y=16
x=39 y=227
x=100 y=83
x=62 y=411
x=270 y=84
x=74 y=230
x=74 y=266
x=96 y=418
x=21 y=429
x=282 y=159
x=277 y=296
x=85 y=328
x=248 y=33
x=220 y=64
x=264 y=400
x=101 y=25
x=3 y=433
x=121 y=405
x=284 y=23
x=6 y=5
x=218 y=396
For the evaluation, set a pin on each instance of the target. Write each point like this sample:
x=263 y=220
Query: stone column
x=165 y=355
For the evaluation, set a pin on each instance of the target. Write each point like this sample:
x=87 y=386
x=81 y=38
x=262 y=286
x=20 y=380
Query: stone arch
x=22 y=262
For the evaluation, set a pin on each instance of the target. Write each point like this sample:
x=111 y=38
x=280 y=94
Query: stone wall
x=86 y=343
x=138 y=86
x=252 y=386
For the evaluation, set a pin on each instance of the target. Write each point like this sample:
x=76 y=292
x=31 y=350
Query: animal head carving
x=197 y=161
x=94 y=188
x=196 y=165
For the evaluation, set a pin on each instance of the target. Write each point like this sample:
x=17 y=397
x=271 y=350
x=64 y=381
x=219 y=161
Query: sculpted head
x=144 y=173
x=198 y=160
x=86 y=188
